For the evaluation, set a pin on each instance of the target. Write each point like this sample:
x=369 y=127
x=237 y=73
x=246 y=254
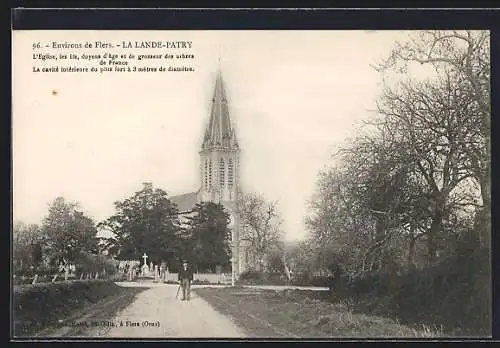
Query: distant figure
x=61 y=266
x=185 y=279
x=334 y=278
x=163 y=267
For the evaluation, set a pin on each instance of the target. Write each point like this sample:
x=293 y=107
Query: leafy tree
x=275 y=258
x=27 y=245
x=148 y=223
x=299 y=255
x=68 y=231
x=209 y=241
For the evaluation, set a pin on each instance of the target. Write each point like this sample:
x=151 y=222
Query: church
x=219 y=173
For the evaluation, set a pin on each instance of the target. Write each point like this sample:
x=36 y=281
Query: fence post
x=81 y=276
x=96 y=275
x=35 y=279
x=54 y=279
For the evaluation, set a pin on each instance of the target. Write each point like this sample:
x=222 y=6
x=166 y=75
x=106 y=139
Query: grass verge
x=293 y=314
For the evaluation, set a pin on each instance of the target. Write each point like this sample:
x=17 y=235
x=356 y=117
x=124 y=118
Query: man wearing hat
x=185 y=278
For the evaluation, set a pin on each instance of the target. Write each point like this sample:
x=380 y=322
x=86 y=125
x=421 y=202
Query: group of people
x=132 y=269
x=129 y=269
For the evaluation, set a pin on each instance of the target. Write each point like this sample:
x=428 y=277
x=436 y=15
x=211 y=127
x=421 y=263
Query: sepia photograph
x=251 y=184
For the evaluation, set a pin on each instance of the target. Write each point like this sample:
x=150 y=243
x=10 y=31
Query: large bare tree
x=421 y=171
x=455 y=107
x=261 y=225
x=446 y=120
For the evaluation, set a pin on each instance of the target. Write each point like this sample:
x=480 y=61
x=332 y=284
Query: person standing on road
x=185 y=279
x=126 y=272
x=163 y=267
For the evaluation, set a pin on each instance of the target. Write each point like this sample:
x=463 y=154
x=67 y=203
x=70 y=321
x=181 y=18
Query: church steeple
x=219 y=155
x=219 y=132
x=220 y=164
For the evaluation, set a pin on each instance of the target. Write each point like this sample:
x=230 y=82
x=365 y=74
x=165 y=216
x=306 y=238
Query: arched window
x=206 y=173
x=209 y=173
x=230 y=173
x=222 y=173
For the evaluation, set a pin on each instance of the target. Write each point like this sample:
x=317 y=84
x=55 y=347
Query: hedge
x=456 y=294
x=41 y=305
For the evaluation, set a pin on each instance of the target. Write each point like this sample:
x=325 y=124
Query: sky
x=294 y=96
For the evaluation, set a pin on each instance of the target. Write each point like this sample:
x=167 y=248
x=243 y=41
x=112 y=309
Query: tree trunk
x=480 y=234
x=432 y=235
x=380 y=255
x=483 y=217
x=411 y=252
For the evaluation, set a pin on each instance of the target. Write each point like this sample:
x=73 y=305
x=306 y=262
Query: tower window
x=230 y=173
x=206 y=174
x=209 y=173
x=222 y=168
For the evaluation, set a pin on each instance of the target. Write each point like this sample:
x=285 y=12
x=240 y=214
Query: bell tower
x=220 y=163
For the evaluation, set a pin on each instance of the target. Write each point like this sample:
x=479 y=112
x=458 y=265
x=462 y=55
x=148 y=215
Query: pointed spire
x=219 y=131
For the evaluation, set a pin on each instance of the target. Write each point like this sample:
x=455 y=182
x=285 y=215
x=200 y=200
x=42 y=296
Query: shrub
x=275 y=278
x=87 y=262
x=307 y=279
x=252 y=276
x=200 y=282
x=320 y=281
x=41 y=270
x=262 y=278
x=302 y=278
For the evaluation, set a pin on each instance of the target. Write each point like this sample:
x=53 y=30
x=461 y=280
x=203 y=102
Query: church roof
x=219 y=131
x=186 y=202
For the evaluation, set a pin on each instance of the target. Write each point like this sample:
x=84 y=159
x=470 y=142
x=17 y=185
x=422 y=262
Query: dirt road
x=155 y=313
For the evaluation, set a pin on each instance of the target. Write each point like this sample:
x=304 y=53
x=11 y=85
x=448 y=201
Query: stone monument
x=145 y=266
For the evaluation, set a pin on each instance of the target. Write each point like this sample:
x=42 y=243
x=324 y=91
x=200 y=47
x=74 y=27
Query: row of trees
x=65 y=234
x=150 y=222
x=147 y=222
x=414 y=186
